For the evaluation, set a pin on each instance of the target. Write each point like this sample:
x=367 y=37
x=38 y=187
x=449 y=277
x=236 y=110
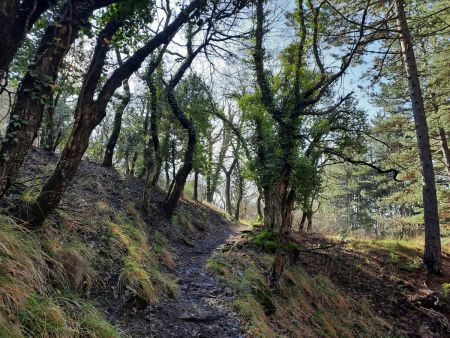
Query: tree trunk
x=240 y=195
x=55 y=186
x=279 y=204
x=432 y=255
x=445 y=150
x=88 y=115
x=302 y=222
x=112 y=141
x=36 y=88
x=16 y=19
x=49 y=128
x=228 y=207
x=228 y=173
x=195 y=197
x=127 y=161
x=166 y=170
x=182 y=174
x=133 y=163
x=309 y=217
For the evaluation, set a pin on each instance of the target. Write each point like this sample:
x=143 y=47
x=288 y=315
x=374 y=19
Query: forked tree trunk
x=228 y=173
x=432 y=255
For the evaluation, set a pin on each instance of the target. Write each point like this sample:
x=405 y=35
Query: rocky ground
x=201 y=308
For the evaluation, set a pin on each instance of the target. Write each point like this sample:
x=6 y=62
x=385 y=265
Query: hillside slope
x=100 y=267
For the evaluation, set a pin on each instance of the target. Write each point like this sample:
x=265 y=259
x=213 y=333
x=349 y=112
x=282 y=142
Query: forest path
x=200 y=310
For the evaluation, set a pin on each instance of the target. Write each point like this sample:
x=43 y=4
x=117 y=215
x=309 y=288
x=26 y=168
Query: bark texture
x=445 y=150
x=36 y=88
x=432 y=255
x=16 y=19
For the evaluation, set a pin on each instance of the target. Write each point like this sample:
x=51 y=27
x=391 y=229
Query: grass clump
x=94 y=325
x=30 y=304
x=141 y=263
x=402 y=254
x=297 y=305
x=23 y=270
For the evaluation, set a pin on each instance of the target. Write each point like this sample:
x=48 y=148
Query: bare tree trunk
x=117 y=124
x=112 y=141
x=195 y=197
x=240 y=195
x=127 y=161
x=309 y=217
x=166 y=170
x=432 y=255
x=133 y=163
x=302 y=222
x=228 y=173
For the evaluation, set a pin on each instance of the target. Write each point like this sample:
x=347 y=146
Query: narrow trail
x=200 y=310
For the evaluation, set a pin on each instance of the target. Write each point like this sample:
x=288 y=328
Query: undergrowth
x=47 y=277
x=141 y=272
x=30 y=304
x=402 y=254
x=298 y=305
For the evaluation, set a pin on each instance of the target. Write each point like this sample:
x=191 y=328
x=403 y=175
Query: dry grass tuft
x=299 y=305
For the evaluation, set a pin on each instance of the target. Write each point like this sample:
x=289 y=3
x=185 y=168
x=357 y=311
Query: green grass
x=402 y=254
x=141 y=274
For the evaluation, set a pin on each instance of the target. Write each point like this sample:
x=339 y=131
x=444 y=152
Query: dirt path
x=200 y=310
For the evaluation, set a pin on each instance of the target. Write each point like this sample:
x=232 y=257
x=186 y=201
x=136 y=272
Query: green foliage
x=446 y=290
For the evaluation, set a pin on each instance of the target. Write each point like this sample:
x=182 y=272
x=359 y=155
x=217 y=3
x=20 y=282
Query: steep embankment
x=101 y=268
